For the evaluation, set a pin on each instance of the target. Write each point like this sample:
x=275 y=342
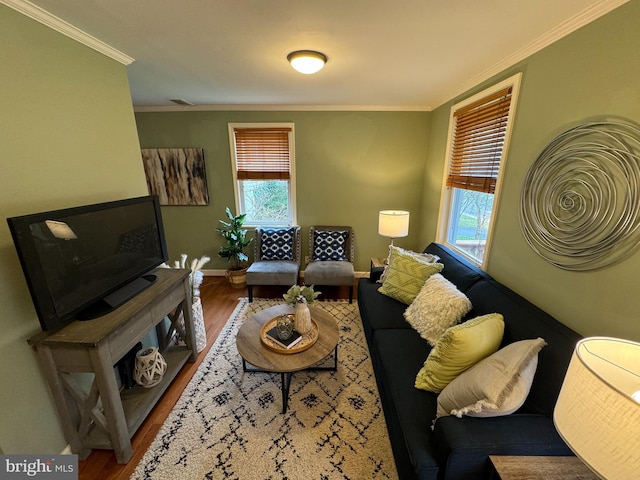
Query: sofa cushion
x=497 y=385
x=380 y=311
x=273 y=272
x=409 y=412
x=329 y=272
x=459 y=348
x=523 y=321
x=438 y=306
x=464 y=444
x=456 y=269
x=406 y=276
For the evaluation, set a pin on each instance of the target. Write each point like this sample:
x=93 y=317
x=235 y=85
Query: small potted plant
x=301 y=298
x=301 y=294
x=235 y=238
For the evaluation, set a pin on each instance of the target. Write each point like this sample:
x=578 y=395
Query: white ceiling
x=383 y=54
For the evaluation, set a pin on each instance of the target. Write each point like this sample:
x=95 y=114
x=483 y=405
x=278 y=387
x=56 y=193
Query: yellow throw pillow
x=459 y=348
x=406 y=275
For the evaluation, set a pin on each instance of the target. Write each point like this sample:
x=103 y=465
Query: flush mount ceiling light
x=307 y=61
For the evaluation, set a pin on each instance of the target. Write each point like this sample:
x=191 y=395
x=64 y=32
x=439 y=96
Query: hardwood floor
x=218 y=301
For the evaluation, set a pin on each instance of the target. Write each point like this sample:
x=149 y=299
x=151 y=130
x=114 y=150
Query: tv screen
x=82 y=262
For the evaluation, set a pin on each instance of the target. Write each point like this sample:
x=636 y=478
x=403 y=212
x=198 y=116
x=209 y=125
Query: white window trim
x=292 y=173
x=446 y=195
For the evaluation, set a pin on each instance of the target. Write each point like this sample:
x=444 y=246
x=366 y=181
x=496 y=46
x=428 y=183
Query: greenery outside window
x=262 y=156
x=479 y=132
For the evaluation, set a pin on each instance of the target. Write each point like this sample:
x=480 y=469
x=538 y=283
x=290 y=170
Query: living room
x=72 y=136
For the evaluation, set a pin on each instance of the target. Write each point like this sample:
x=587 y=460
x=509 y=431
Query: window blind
x=262 y=153
x=478 y=140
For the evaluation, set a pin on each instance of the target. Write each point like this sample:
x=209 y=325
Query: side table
x=377 y=268
x=539 y=468
x=378 y=262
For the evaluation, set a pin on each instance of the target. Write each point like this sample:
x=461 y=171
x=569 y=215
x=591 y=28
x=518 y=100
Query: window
x=263 y=165
x=479 y=131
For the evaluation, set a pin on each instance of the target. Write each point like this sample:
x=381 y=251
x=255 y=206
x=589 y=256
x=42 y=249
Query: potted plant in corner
x=235 y=241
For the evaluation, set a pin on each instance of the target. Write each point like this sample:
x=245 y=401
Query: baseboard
x=213 y=272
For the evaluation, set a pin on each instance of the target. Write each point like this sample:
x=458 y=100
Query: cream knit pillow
x=438 y=306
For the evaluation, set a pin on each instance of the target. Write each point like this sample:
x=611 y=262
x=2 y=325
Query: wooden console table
x=106 y=417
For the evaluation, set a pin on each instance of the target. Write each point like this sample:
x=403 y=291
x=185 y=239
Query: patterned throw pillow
x=423 y=257
x=277 y=244
x=406 y=276
x=330 y=245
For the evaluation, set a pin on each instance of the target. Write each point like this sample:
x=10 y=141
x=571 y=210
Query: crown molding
x=284 y=108
x=42 y=16
x=574 y=23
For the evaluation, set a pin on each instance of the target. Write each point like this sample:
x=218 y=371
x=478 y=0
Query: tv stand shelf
x=95 y=346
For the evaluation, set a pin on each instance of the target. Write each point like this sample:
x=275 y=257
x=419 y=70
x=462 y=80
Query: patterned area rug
x=228 y=423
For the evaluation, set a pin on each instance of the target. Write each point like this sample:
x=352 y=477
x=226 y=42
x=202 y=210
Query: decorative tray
x=308 y=339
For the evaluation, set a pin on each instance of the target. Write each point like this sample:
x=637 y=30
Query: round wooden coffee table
x=255 y=353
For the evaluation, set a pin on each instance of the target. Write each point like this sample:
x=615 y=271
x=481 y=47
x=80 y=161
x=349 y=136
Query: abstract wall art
x=176 y=175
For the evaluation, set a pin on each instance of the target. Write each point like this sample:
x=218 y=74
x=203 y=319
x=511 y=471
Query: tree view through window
x=470 y=216
x=265 y=201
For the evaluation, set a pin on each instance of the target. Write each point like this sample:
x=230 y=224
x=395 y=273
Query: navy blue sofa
x=459 y=448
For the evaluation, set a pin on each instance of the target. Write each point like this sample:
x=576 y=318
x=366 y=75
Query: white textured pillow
x=438 y=306
x=495 y=386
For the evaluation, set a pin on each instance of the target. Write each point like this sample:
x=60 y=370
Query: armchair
x=332 y=252
x=277 y=257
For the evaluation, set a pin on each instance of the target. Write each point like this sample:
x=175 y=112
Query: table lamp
x=393 y=224
x=598 y=410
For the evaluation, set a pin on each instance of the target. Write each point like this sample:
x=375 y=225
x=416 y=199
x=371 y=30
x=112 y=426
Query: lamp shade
x=596 y=413
x=307 y=61
x=393 y=223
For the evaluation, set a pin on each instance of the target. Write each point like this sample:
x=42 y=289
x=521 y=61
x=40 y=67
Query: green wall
x=590 y=73
x=68 y=137
x=349 y=165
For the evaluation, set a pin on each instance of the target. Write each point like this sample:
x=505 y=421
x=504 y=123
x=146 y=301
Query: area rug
x=228 y=423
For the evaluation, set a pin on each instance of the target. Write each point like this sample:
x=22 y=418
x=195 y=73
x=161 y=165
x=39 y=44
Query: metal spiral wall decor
x=580 y=203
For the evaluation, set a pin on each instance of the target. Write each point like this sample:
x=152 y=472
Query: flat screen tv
x=83 y=262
